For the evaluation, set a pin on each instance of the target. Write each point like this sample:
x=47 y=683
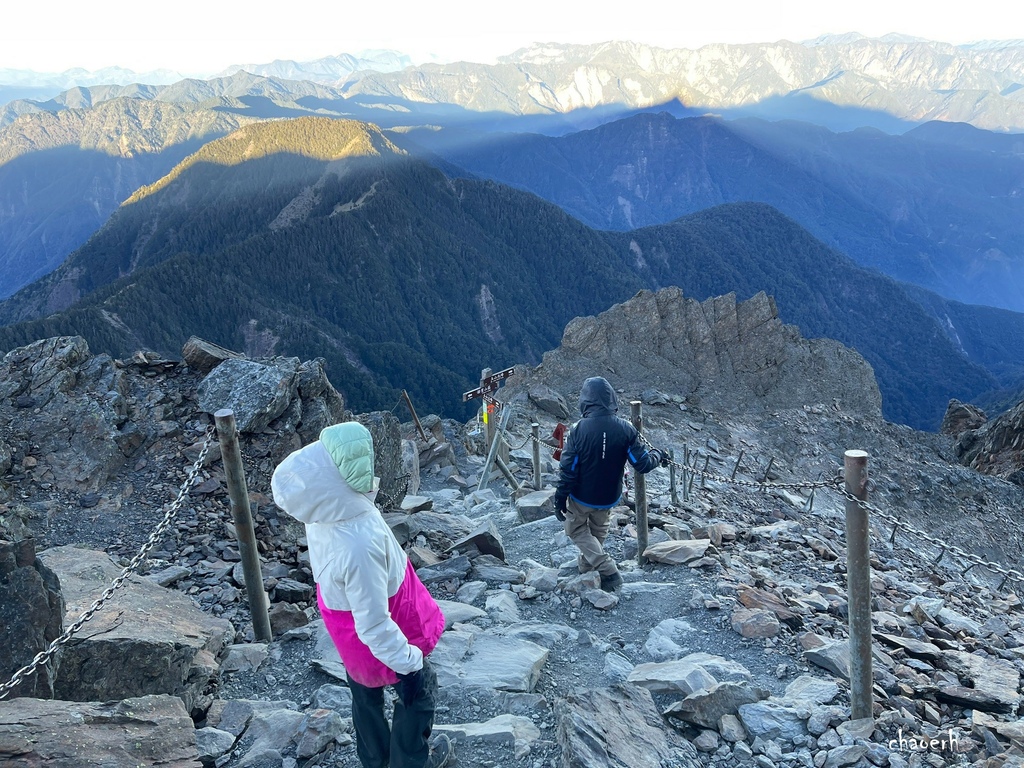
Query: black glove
x=560 y=509
x=409 y=686
x=664 y=458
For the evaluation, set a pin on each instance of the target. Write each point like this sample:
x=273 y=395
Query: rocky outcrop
x=996 y=447
x=72 y=408
x=961 y=417
x=31 y=615
x=721 y=354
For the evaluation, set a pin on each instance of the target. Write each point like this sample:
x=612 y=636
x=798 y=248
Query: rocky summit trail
x=728 y=647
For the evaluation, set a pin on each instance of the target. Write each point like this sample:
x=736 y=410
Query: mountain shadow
x=317 y=237
x=945 y=215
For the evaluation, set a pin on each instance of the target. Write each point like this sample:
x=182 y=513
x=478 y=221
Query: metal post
x=535 y=428
x=493 y=452
x=686 y=472
x=485 y=407
x=641 y=489
x=415 y=418
x=858 y=575
x=673 y=493
x=734 y=469
x=235 y=475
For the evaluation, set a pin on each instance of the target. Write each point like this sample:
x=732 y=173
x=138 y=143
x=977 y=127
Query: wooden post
x=858 y=577
x=535 y=429
x=686 y=472
x=672 y=491
x=484 y=403
x=641 y=490
x=492 y=454
x=234 y=471
x=415 y=418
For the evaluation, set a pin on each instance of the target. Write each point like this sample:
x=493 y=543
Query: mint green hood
x=350 y=445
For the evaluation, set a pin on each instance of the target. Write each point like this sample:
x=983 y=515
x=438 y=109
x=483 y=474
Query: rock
x=536 y=505
x=617 y=727
x=731 y=729
x=204 y=356
x=845 y=755
x=244 y=657
x=755 y=622
x=997 y=446
x=995 y=682
x=677 y=552
x=337 y=698
x=257 y=392
x=707 y=707
x=412 y=504
x=617 y=667
x=211 y=743
x=706 y=741
x=80 y=417
x=285 y=617
x=275 y=729
x=491 y=570
x=771 y=720
x=387 y=456
x=503 y=607
x=411 y=465
x=487 y=660
x=318 y=730
x=516 y=732
x=458 y=613
x=811 y=690
x=148 y=730
x=235 y=715
x=664 y=641
x=549 y=401
x=455 y=568
x=145 y=640
x=169 y=576
x=672 y=677
x=485 y=538
x=961 y=417
x=31 y=615
x=833 y=655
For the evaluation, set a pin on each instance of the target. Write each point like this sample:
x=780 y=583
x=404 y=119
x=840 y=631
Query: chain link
x=805 y=485
x=43 y=656
x=975 y=560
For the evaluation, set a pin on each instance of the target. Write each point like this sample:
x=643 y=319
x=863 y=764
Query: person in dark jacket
x=590 y=475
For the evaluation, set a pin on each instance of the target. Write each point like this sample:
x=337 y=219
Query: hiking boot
x=611 y=582
x=442 y=752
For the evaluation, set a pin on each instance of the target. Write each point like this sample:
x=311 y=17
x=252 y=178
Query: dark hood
x=597 y=398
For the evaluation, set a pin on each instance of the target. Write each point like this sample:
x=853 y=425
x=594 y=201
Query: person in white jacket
x=381 y=618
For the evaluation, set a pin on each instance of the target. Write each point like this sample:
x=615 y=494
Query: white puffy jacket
x=356 y=560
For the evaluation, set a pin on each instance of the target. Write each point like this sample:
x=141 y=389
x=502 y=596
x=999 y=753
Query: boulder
x=203 y=356
x=961 y=417
x=548 y=400
x=148 y=730
x=387 y=456
x=257 y=392
x=487 y=660
x=617 y=727
x=536 y=505
x=145 y=639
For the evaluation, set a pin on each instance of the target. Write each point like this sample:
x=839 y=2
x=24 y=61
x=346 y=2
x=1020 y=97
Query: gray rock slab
x=617 y=727
x=772 y=720
x=675 y=552
x=536 y=505
x=244 y=657
x=212 y=743
x=706 y=707
x=334 y=697
x=146 y=640
x=672 y=677
x=487 y=660
x=459 y=613
x=319 y=729
x=668 y=640
x=807 y=690
x=517 y=732
x=833 y=656
x=148 y=730
x=485 y=537
x=503 y=607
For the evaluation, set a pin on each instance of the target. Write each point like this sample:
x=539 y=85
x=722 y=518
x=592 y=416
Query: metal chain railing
x=43 y=656
x=1008 y=574
x=807 y=485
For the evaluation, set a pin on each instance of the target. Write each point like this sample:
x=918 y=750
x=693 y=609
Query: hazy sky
x=193 y=36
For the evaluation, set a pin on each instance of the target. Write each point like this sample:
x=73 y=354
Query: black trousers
x=403 y=744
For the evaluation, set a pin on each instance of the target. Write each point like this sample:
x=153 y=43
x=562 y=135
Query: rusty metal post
x=535 y=429
x=234 y=472
x=858 y=576
x=636 y=413
x=415 y=418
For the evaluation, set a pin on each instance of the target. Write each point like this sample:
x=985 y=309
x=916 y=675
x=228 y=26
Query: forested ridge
x=402 y=278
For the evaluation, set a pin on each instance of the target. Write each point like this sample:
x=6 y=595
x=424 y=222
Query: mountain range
x=941 y=206
x=296 y=237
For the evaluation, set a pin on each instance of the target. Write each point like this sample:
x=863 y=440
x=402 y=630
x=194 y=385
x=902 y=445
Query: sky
x=206 y=36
